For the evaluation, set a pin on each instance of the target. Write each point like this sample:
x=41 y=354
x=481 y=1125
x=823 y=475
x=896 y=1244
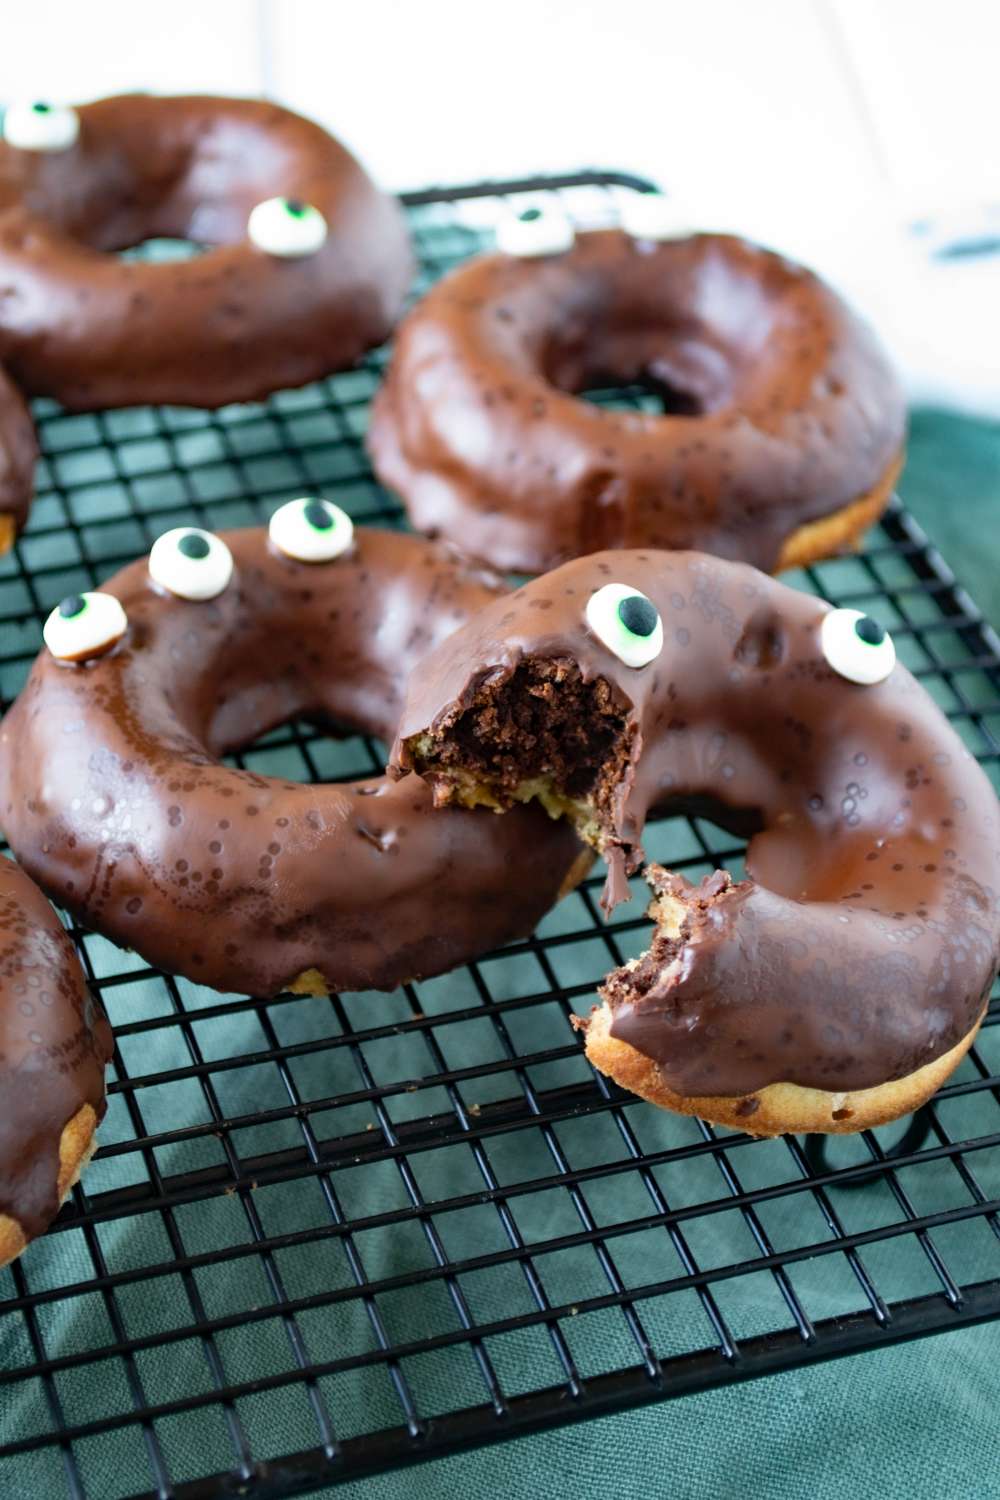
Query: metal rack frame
x=418 y=1223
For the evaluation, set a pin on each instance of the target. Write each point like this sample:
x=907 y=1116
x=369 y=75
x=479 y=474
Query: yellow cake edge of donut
x=780 y=1108
x=843 y=530
x=77 y=1145
x=312 y=981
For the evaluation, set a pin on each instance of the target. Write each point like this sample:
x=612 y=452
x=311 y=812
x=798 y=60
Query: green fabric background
x=922 y=1419
x=952 y=486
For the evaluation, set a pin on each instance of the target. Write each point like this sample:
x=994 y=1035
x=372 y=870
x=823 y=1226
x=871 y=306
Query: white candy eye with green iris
x=627 y=623
x=311 y=531
x=286 y=227
x=651 y=216
x=536 y=231
x=40 y=126
x=856 y=646
x=191 y=563
x=83 y=626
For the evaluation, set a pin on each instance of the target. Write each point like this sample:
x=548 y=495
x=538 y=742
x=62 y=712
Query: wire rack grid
x=324 y=1237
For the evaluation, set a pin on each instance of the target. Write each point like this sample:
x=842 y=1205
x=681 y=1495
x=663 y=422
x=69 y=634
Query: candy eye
x=311 y=531
x=83 y=626
x=190 y=563
x=536 y=231
x=627 y=623
x=40 y=127
x=286 y=227
x=856 y=646
x=651 y=216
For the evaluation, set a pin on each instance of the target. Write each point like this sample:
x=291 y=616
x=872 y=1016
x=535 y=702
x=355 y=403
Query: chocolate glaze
x=865 y=942
x=18 y=453
x=54 y=1044
x=111 y=789
x=81 y=325
x=783 y=408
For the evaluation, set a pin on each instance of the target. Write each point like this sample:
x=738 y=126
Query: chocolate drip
x=866 y=941
x=54 y=1044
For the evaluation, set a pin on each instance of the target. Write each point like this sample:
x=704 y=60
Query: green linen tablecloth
x=922 y=1419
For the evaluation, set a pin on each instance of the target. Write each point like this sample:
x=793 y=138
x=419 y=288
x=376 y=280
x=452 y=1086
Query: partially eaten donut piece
x=840 y=983
x=540 y=731
x=652 y=1007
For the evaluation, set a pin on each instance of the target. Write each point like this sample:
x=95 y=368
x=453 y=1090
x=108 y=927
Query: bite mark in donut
x=861 y=950
x=113 y=790
x=780 y=439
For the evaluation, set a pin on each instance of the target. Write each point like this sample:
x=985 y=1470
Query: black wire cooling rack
x=324 y=1237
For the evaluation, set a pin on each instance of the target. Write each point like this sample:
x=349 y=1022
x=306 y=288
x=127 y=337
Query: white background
x=825 y=127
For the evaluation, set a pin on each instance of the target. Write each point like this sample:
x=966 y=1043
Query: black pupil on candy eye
x=294 y=207
x=72 y=605
x=530 y=215
x=638 y=615
x=41 y=109
x=193 y=545
x=318 y=516
x=870 y=631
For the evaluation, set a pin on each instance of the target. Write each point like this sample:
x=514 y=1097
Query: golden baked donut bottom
x=780 y=1108
x=77 y=1145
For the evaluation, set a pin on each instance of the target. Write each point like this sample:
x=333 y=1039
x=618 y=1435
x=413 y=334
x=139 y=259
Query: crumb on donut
x=540 y=731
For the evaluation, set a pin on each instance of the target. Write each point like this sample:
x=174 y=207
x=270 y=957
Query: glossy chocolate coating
x=81 y=325
x=114 y=798
x=18 y=453
x=477 y=426
x=866 y=942
x=54 y=1044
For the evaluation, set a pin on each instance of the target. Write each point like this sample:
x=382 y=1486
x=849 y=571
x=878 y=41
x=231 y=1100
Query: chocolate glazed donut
x=54 y=1044
x=783 y=431
x=838 y=985
x=306 y=267
x=112 y=790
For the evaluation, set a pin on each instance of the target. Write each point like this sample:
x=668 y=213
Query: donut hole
x=657 y=397
x=639 y=348
x=539 y=731
x=162 y=250
x=311 y=750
